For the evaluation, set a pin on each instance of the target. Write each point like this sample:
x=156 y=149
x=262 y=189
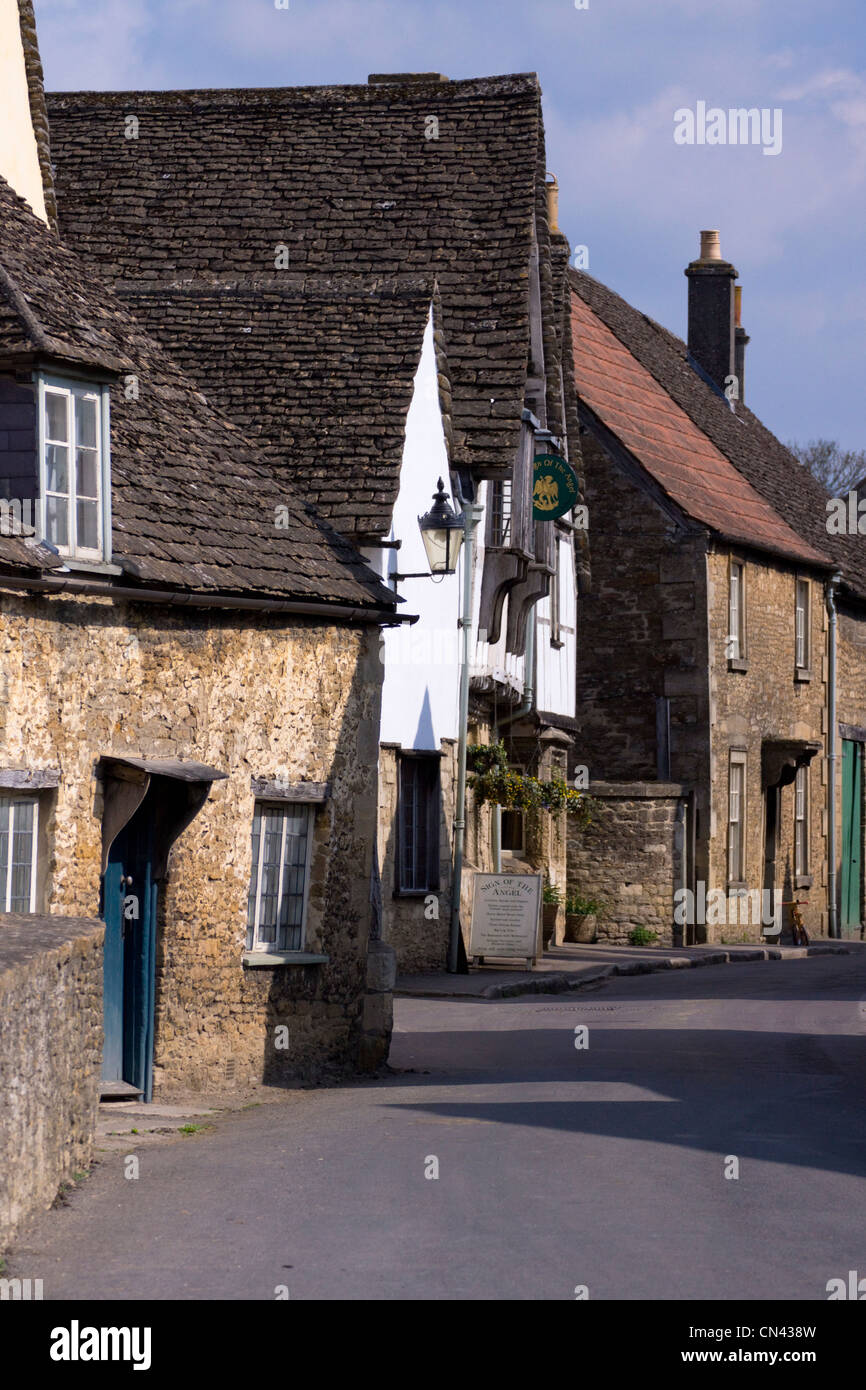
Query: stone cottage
x=191 y=686
x=369 y=281
x=712 y=662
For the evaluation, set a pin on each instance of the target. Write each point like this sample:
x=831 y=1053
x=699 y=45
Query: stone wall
x=630 y=857
x=254 y=696
x=50 y=1057
x=766 y=701
x=642 y=633
x=417 y=927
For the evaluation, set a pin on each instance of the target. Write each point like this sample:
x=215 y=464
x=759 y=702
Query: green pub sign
x=554 y=487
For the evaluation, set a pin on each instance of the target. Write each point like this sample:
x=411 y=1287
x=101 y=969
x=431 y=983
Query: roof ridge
x=528 y=81
x=18 y=301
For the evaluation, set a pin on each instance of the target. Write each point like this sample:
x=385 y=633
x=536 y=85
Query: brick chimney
x=741 y=337
x=711 y=311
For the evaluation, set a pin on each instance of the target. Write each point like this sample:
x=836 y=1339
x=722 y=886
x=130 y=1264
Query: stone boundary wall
x=630 y=856
x=50 y=1057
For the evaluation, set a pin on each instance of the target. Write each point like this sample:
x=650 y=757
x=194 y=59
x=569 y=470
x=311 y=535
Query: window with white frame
x=801 y=823
x=277 y=900
x=801 y=625
x=737 y=818
x=19 y=824
x=736 y=613
x=73 y=467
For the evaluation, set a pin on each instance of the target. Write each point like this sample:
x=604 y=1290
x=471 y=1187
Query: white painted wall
x=19 y=156
x=556 y=667
x=491 y=659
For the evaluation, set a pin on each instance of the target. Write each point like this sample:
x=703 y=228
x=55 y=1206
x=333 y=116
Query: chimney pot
x=553 y=203
x=710 y=248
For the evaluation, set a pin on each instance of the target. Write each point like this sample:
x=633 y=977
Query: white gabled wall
x=422 y=662
x=19 y=154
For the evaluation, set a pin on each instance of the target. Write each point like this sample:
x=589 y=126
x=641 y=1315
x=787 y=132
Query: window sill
x=802 y=880
x=270 y=960
x=91 y=566
x=738 y=663
x=414 y=892
x=801 y=674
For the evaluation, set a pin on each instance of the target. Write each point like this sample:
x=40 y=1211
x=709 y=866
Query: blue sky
x=613 y=74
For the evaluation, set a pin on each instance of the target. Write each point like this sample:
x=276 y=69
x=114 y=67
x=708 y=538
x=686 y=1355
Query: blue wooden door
x=129 y=912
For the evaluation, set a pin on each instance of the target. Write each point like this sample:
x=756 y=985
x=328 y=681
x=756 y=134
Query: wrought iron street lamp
x=442 y=532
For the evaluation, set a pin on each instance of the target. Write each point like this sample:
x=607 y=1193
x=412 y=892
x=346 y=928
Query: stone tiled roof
x=759 y=457
x=193 y=507
x=192 y=211
x=317 y=372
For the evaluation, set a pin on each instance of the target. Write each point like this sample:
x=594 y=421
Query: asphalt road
x=558 y=1167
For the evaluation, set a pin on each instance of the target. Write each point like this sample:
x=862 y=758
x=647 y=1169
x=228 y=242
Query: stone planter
x=579 y=928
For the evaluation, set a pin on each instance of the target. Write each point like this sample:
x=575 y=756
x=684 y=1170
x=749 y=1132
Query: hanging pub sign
x=554 y=487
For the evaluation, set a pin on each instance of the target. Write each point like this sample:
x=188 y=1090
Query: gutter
x=342 y=612
x=833 y=915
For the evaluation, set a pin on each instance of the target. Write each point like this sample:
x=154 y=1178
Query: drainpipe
x=472 y=514
x=681 y=835
x=526 y=706
x=833 y=926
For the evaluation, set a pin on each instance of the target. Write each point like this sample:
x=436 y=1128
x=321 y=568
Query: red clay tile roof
x=689 y=468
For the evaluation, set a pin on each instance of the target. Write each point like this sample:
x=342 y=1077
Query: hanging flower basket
x=495 y=783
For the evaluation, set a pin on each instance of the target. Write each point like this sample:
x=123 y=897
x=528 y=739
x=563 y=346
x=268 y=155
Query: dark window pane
x=55 y=417
x=87 y=524
x=56 y=518
x=418 y=822
x=85 y=422
x=87 y=475
x=56 y=468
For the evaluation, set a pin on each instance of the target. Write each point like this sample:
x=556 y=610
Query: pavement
x=571 y=967
x=687 y=1134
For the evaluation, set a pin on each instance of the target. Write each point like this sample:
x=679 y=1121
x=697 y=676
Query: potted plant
x=581 y=916
x=551 y=902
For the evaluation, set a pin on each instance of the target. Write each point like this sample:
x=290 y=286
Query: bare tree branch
x=838 y=470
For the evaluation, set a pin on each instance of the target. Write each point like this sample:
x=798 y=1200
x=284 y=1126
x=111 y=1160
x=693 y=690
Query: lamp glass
x=442 y=544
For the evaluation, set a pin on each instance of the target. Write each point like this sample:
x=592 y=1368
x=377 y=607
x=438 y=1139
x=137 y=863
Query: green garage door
x=852 y=774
